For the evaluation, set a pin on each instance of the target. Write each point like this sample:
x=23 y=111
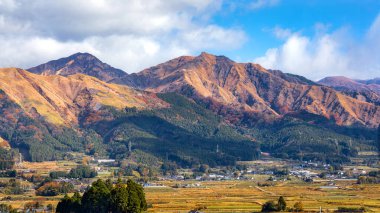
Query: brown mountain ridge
x=243 y=87
x=252 y=88
x=60 y=99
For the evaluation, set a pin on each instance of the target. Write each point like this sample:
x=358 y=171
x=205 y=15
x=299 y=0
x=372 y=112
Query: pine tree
x=281 y=204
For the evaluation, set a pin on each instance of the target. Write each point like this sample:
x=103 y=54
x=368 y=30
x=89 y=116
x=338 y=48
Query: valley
x=200 y=133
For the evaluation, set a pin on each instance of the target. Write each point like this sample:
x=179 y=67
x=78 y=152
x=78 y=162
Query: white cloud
x=257 y=4
x=130 y=34
x=326 y=54
x=213 y=36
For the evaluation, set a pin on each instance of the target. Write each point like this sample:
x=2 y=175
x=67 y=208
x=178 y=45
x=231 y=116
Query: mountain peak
x=84 y=63
x=206 y=55
x=215 y=58
x=84 y=55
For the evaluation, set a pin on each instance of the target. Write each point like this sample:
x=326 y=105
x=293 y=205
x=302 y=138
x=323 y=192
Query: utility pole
x=217 y=148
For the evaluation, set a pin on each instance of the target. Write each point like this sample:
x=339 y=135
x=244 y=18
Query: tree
x=298 y=206
x=281 y=204
x=269 y=206
x=64 y=206
x=104 y=197
x=119 y=198
x=82 y=172
x=69 y=204
x=97 y=198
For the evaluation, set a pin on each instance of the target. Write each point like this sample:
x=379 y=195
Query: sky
x=313 y=38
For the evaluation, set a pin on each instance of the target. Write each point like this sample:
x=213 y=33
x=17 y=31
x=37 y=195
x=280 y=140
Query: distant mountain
x=79 y=63
x=227 y=85
x=364 y=90
x=370 y=81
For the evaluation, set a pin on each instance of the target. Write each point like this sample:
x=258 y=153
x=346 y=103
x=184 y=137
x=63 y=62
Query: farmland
x=246 y=193
x=242 y=196
x=246 y=196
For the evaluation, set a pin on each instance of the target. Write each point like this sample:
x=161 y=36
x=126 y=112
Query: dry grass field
x=242 y=196
x=228 y=196
x=245 y=196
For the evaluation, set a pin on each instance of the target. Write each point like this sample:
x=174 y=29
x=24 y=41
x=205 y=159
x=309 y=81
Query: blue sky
x=313 y=38
x=296 y=15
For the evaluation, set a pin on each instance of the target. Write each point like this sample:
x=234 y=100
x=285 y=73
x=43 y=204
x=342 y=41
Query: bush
x=350 y=209
x=298 y=206
x=269 y=206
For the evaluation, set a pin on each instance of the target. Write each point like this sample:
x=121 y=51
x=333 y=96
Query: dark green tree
x=76 y=202
x=281 y=204
x=97 y=198
x=136 y=196
x=70 y=204
x=269 y=206
x=64 y=206
x=119 y=198
x=104 y=197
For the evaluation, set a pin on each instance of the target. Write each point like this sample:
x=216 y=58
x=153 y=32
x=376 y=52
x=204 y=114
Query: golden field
x=246 y=196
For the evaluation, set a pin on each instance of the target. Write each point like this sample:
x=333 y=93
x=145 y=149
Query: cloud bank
x=325 y=53
x=130 y=34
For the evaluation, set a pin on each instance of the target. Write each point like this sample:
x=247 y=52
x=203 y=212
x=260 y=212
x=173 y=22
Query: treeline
x=372 y=178
x=80 y=171
x=104 y=197
x=294 y=138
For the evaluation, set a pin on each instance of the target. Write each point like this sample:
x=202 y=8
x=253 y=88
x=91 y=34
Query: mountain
x=370 y=81
x=60 y=100
x=180 y=111
x=364 y=90
x=228 y=86
x=46 y=117
x=79 y=63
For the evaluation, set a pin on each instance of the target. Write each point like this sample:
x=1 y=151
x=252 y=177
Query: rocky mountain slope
x=45 y=117
x=60 y=100
x=251 y=88
x=364 y=90
x=83 y=63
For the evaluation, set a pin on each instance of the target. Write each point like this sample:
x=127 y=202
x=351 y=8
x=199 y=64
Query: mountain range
x=364 y=90
x=243 y=87
x=184 y=108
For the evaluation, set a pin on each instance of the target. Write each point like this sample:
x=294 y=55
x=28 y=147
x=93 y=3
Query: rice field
x=246 y=196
